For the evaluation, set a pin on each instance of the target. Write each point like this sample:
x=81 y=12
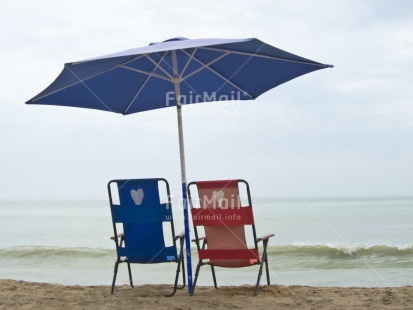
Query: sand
x=27 y=295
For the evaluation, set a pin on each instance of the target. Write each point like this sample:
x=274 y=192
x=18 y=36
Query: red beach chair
x=224 y=220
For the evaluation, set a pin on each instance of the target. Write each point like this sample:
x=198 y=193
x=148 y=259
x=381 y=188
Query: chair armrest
x=180 y=235
x=199 y=239
x=120 y=235
x=266 y=237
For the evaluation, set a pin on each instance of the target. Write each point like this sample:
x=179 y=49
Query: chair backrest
x=140 y=211
x=224 y=219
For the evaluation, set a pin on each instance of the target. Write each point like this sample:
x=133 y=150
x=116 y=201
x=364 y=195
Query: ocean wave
x=297 y=250
x=341 y=257
x=45 y=252
x=342 y=251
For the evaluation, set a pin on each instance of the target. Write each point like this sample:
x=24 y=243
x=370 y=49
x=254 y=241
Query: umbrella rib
x=146 y=73
x=91 y=91
x=180 y=77
x=157 y=65
x=267 y=57
x=79 y=80
x=72 y=84
x=146 y=81
x=206 y=66
x=136 y=95
x=187 y=63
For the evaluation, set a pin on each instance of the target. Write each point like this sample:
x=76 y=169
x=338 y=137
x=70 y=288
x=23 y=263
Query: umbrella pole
x=183 y=170
x=185 y=200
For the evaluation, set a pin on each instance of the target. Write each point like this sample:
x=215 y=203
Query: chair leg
x=183 y=266
x=267 y=270
x=263 y=261
x=196 y=277
x=130 y=275
x=115 y=272
x=257 y=286
x=213 y=276
x=175 y=283
x=178 y=270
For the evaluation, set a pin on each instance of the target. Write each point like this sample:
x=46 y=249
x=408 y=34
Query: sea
x=349 y=242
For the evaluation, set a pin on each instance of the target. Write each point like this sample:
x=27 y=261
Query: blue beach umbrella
x=173 y=73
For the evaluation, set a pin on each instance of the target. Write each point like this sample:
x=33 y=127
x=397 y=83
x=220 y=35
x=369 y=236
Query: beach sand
x=27 y=295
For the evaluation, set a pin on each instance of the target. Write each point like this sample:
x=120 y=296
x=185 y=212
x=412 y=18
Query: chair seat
x=234 y=263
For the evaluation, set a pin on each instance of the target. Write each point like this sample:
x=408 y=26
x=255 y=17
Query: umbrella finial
x=169 y=40
x=176 y=39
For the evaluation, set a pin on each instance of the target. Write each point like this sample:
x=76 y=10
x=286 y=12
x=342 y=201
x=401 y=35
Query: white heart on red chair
x=219 y=196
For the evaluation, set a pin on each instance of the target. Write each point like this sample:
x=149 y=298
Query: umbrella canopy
x=175 y=72
x=143 y=79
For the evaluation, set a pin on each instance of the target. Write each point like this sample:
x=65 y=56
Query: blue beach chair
x=135 y=205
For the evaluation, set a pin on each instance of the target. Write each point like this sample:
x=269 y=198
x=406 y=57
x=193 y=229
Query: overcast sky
x=346 y=131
